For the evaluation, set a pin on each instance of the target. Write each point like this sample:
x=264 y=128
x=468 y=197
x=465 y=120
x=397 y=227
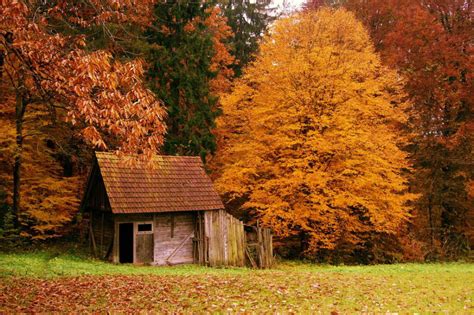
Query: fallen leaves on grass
x=250 y=292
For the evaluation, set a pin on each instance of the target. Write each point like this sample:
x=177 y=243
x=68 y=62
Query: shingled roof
x=173 y=183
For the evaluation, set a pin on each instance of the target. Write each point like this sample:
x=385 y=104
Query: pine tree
x=249 y=21
x=180 y=56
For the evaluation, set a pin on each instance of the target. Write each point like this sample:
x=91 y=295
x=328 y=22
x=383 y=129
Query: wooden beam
x=172 y=225
x=91 y=234
x=109 y=250
x=252 y=261
x=135 y=230
x=115 y=250
x=167 y=260
x=102 y=233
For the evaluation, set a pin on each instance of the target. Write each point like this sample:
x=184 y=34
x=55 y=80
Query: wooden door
x=144 y=242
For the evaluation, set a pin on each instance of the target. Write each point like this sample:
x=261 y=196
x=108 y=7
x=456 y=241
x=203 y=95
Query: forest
x=326 y=144
x=346 y=126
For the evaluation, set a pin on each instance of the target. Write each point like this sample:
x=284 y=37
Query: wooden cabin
x=163 y=212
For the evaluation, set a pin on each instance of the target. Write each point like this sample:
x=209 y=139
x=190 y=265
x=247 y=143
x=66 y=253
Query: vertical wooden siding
x=101 y=233
x=96 y=196
x=200 y=240
x=213 y=238
x=266 y=248
x=144 y=248
x=259 y=244
x=226 y=239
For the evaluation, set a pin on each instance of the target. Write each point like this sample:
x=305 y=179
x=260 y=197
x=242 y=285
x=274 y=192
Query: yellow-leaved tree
x=51 y=199
x=310 y=137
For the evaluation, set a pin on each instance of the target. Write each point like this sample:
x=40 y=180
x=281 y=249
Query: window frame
x=143 y=223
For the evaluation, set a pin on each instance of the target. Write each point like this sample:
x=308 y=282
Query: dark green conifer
x=179 y=57
x=249 y=21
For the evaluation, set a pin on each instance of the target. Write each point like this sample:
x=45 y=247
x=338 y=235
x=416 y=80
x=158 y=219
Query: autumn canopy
x=346 y=127
x=315 y=119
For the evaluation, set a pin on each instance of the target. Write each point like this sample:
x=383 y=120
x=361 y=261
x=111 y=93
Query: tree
x=49 y=195
x=311 y=133
x=429 y=43
x=50 y=198
x=49 y=72
x=188 y=65
x=249 y=21
x=316 y=4
x=222 y=59
x=112 y=25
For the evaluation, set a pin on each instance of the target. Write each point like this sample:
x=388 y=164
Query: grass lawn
x=46 y=282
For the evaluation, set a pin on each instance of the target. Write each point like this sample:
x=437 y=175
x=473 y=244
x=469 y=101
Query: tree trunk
x=430 y=218
x=19 y=115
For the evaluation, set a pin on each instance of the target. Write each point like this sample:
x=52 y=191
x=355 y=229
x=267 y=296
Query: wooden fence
x=259 y=249
x=222 y=240
x=226 y=238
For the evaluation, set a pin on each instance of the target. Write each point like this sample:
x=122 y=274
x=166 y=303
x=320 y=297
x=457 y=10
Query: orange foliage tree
x=49 y=72
x=310 y=136
x=49 y=198
x=430 y=43
x=222 y=60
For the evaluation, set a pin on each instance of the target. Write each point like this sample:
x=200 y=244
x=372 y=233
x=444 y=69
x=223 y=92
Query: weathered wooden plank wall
x=213 y=238
x=174 y=233
x=96 y=195
x=101 y=233
x=171 y=242
x=226 y=239
x=200 y=241
x=266 y=251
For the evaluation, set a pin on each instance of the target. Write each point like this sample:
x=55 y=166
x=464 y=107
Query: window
x=145 y=228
